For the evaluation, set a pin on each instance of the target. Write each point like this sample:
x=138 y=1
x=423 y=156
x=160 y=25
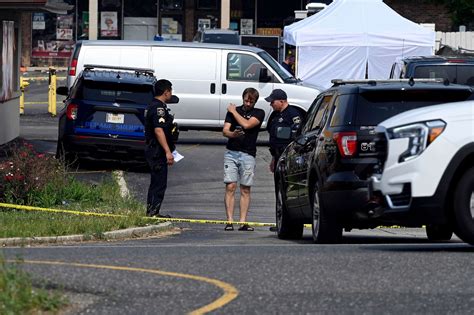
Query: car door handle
x=213 y=88
x=224 y=88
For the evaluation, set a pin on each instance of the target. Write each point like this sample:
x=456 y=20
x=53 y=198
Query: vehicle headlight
x=419 y=135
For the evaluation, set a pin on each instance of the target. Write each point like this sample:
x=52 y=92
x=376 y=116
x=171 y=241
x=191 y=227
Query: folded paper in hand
x=177 y=156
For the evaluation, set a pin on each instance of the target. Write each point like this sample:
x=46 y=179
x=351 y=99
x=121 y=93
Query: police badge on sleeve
x=160 y=112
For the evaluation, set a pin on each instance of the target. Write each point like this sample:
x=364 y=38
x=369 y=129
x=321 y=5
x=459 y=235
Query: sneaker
x=273 y=229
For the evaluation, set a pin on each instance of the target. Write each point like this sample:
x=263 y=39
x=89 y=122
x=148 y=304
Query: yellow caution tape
x=178 y=220
x=41 y=78
x=40 y=103
x=31 y=208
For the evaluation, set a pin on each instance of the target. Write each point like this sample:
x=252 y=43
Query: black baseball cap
x=277 y=94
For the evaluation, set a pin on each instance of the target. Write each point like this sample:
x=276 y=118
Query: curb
x=112 y=235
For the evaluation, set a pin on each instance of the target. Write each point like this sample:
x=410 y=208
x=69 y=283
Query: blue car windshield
x=117 y=92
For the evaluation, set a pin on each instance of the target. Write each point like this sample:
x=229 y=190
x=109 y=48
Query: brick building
x=422 y=11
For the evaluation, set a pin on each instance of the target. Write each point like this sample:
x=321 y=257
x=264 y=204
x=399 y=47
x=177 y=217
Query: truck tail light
x=72 y=67
x=346 y=143
x=71 y=111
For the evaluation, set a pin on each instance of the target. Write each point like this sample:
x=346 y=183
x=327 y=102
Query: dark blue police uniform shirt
x=158 y=116
x=289 y=117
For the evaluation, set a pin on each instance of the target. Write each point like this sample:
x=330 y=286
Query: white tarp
x=350 y=37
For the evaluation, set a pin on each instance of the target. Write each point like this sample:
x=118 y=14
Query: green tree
x=462 y=11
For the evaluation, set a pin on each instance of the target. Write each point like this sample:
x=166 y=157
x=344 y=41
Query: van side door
x=194 y=73
x=241 y=70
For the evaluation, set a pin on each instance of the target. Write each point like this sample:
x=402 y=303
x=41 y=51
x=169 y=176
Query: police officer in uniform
x=283 y=115
x=159 y=145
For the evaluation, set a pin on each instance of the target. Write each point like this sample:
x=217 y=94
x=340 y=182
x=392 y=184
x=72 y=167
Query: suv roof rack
x=137 y=71
x=410 y=81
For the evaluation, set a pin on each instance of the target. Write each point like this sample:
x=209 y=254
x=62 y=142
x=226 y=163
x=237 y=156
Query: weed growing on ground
x=19 y=296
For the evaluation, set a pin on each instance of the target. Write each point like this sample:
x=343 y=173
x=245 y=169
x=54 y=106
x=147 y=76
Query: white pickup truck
x=428 y=175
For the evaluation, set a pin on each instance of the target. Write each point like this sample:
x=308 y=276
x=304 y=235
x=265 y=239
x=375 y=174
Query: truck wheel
x=324 y=225
x=438 y=233
x=463 y=207
x=286 y=227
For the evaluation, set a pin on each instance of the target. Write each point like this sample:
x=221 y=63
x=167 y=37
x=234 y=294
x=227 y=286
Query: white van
x=206 y=77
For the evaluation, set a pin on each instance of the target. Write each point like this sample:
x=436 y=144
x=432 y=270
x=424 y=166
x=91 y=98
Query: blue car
x=104 y=114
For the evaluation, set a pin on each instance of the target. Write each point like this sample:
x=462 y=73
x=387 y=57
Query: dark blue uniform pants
x=156 y=191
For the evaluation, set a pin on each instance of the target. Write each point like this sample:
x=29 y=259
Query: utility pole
x=225 y=14
x=93 y=19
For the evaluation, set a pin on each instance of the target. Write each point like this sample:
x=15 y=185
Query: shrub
x=24 y=172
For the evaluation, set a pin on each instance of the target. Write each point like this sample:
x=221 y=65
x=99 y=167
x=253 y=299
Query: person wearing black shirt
x=159 y=145
x=242 y=125
x=283 y=115
x=288 y=64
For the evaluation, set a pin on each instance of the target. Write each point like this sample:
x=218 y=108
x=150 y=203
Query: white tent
x=350 y=37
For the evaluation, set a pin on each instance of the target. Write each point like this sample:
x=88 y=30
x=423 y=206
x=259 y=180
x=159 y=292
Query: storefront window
x=171 y=4
x=52 y=35
x=207 y=4
x=172 y=28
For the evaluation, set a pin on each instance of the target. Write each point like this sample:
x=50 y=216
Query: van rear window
x=374 y=107
x=114 y=92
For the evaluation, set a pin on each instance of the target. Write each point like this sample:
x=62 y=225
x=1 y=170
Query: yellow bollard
x=52 y=92
x=23 y=85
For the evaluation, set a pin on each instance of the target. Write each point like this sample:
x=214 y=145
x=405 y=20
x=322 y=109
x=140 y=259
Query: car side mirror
x=62 y=90
x=263 y=75
x=303 y=140
x=174 y=100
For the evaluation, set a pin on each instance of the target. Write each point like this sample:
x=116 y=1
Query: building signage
x=246 y=26
x=108 y=24
x=55 y=39
x=38 y=21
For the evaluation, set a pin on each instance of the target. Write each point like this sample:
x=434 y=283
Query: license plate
x=115 y=118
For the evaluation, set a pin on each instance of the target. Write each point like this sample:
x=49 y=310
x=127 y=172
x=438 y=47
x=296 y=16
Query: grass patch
x=29 y=178
x=102 y=198
x=19 y=296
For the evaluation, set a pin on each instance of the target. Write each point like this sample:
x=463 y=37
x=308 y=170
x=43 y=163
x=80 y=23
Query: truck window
x=439 y=71
x=376 y=106
x=465 y=74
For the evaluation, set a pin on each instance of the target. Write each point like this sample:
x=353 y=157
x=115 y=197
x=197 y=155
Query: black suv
x=457 y=70
x=104 y=112
x=322 y=176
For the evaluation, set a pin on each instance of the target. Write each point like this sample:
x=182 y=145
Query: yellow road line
x=230 y=292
